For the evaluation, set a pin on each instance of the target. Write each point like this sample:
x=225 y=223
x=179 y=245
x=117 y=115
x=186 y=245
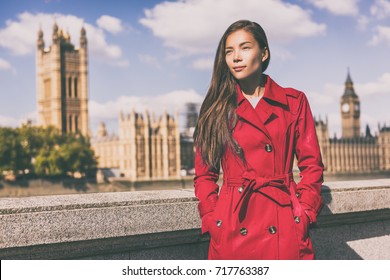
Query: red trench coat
x=259 y=211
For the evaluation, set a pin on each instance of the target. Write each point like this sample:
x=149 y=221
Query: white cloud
x=149 y=60
x=17 y=121
x=171 y=102
x=330 y=94
x=382 y=35
x=20 y=35
x=8 y=121
x=380 y=9
x=110 y=24
x=282 y=53
x=337 y=7
x=123 y=63
x=380 y=86
x=334 y=124
x=363 y=22
x=5 y=65
x=203 y=64
x=195 y=26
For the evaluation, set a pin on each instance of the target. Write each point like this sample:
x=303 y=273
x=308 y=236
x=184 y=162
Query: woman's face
x=243 y=55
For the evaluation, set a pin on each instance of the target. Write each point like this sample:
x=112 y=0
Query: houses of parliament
x=145 y=149
x=353 y=153
x=149 y=148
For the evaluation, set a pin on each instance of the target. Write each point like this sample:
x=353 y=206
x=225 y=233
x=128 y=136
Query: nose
x=236 y=57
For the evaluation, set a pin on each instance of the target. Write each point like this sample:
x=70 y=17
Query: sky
x=157 y=55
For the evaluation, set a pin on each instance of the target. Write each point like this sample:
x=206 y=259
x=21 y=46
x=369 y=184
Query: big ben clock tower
x=350 y=111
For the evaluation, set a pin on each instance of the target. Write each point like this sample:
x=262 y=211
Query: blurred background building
x=353 y=153
x=62 y=82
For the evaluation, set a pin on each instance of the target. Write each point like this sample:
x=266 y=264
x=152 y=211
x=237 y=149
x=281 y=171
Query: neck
x=253 y=88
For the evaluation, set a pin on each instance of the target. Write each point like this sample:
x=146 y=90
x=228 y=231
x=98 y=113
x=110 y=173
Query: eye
x=228 y=52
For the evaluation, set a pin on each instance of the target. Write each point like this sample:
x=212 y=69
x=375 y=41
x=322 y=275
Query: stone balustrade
x=354 y=224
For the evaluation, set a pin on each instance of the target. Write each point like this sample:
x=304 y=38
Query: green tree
x=78 y=155
x=12 y=154
x=45 y=152
x=49 y=162
x=39 y=141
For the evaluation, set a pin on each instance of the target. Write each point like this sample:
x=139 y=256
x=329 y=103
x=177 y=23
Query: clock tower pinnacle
x=350 y=111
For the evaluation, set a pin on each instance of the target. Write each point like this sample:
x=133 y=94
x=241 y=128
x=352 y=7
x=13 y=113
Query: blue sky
x=157 y=55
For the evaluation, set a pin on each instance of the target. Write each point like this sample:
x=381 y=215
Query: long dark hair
x=217 y=117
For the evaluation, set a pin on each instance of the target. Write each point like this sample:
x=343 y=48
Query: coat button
x=298 y=195
x=272 y=229
x=240 y=189
x=268 y=148
x=297 y=219
x=219 y=223
x=243 y=231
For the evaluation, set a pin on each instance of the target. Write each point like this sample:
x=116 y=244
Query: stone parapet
x=354 y=224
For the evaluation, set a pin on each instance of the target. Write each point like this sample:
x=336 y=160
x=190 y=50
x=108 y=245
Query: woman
x=253 y=127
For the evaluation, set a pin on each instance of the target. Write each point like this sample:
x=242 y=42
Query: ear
x=264 y=54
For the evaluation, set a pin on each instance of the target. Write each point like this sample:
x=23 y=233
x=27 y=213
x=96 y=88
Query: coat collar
x=263 y=113
x=272 y=92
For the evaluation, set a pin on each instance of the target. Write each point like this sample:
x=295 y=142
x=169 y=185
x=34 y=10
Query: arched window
x=47 y=89
x=63 y=87
x=70 y=87
x=76 y=123
x=75 y=87
x=70 y=123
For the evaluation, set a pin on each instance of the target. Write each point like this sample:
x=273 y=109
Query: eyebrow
x=243 y=43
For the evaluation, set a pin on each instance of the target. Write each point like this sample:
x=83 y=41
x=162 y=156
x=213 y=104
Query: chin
x=240 y=77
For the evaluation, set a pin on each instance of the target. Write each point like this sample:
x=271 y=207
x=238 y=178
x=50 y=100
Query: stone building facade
x=146 y=149
x=62 y=82
x=353 y=153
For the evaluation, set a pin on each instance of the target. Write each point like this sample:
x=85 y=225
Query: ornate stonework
x=146 y=149
x=62 y=82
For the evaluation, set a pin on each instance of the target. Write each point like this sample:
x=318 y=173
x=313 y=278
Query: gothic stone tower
x=350 y=111
x=62 y=82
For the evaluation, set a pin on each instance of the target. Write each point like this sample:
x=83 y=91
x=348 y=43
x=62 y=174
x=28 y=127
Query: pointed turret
x=349 y=90
x=55 y=33
x=102 y=131
x=40 y=42
x=83 y=38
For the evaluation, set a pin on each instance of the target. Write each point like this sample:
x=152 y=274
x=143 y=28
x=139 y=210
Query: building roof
x=349 y=90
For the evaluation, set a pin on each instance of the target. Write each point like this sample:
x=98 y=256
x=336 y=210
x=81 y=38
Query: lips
x=238 y=68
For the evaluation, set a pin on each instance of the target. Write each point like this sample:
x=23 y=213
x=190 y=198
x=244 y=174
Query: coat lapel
x=264 y=113
x=246 y=112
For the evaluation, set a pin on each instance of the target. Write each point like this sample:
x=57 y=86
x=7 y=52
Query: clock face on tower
x=345 y=108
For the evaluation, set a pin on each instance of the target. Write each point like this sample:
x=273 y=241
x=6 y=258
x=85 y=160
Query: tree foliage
x=12 y=154
x=45 y=152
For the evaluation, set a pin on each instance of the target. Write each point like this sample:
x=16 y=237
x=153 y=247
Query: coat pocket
x=217 y=222
x=302 y=226
x=304 y=241
x=215 y=229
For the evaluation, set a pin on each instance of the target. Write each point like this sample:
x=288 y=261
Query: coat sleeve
x=206 y=189
x=309 y=162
